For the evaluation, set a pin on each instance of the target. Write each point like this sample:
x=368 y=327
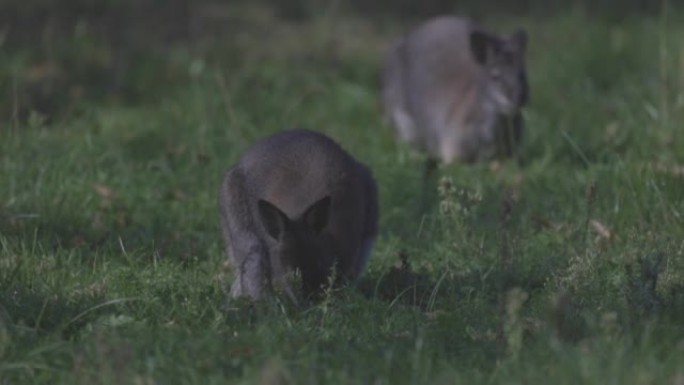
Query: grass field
x=566 y=268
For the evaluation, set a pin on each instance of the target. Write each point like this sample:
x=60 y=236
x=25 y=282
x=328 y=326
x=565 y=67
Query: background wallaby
x=297 y=201
x=456 y=91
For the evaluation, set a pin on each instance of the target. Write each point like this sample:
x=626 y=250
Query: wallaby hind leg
x=370 y=220
x=510 y=136
x=250 y=277
x=428 y=185
x=248 y=255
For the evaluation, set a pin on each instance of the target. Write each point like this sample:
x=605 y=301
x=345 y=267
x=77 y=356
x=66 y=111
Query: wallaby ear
x=519 y=37
x=316 y=217
x=483 y=46
x=273 y=219
x=524 y=88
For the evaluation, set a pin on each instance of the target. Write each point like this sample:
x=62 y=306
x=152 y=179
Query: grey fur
x=456 y=91
x=279 y=188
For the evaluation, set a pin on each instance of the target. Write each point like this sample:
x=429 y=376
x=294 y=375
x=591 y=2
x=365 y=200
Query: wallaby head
x=503 y=60
x=301 y=243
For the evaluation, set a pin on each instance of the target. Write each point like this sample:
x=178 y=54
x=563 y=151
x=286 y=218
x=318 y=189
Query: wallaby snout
x=297 y=202
x=456 y=91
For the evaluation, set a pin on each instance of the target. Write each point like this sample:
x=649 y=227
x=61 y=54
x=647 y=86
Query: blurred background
x=57 y=54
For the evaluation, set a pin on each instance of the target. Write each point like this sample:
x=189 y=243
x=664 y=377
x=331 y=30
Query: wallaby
x=455 y=91
x=296 y=201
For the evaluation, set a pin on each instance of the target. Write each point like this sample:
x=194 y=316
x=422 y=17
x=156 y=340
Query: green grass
x=568 y=267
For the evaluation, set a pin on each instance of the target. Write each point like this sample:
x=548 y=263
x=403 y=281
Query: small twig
x=506 y=266
x=590 y=199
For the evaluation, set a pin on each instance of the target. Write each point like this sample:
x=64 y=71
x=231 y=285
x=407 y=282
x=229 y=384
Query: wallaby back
x=297 y=200
x=455 y=91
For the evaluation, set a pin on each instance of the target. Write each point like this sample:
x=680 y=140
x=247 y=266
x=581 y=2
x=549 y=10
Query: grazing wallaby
x=296 y=201
x=456 y=91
